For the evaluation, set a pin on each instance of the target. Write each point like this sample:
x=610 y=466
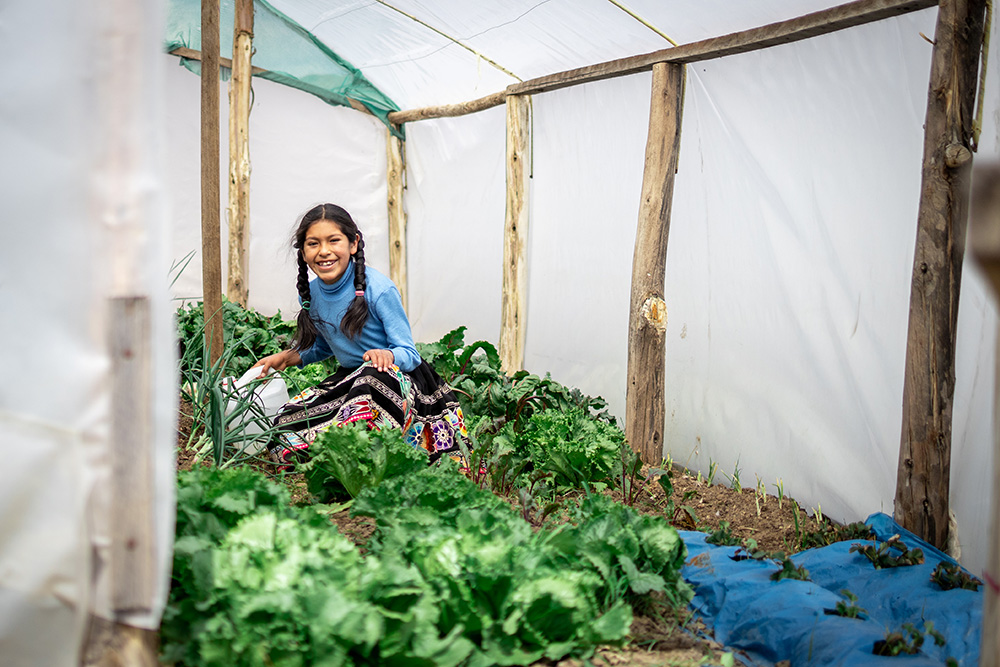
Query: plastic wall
x=303 y=152
x=81 y=123
x=788 y=270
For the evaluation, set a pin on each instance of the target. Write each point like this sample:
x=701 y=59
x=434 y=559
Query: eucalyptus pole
x=513 y=303
x=396 y=182
x=211 y=252
x=922 y=482
x=238 y=288
x=645 y=399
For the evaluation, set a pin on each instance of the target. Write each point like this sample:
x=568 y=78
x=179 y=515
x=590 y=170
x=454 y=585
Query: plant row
x=453 y=575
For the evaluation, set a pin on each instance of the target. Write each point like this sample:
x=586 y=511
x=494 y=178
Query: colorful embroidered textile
x=418 y=403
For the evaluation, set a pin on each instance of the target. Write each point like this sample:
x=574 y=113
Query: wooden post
x=238 y=288
x=984 y=238
x=396 y=181
x=645 y=407
x=211 y=252
x=110 y=643
x=922 y=482
x=513 y=304
x=132 y=544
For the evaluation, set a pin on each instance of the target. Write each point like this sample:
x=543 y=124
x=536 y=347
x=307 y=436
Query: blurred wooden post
x=922 y=482
x=396 y=182
x=112 y=643
x=645 y=407
x=211 y=252
x=238 y=288
x=984 y=242
x=513 y=304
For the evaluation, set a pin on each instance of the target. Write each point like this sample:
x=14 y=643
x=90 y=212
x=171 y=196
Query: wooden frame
x=923 y=473
x=211 y=244
x=238 y=288
x=645 y=406
x=513 y=304
x=810 y=25
x=396 y=183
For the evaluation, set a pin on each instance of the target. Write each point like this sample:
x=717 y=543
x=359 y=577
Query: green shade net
x=289 y=53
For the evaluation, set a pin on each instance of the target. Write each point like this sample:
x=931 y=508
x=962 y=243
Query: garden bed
x=654 y=639
x=562 y=492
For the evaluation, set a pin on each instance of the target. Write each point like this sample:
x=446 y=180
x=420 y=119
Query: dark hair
x=357 y=313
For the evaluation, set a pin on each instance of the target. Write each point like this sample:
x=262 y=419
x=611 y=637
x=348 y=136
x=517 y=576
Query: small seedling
x=907 y=640
x=950 y=575
x=790 y=570
x=750 y=551
x=722 y=536
x=780 y=490
x=713 y=468
x=688 y=495
x=756 y=501
x=818 y=513
x=685 y=518
x=734 y=479
x=891 y=553
x=761 y=490
x=848 y=608
x=633 y=483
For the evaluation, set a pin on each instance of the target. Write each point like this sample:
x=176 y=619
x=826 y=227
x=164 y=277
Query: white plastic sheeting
x=304 y=153
x=83 y=203
x=791 y=238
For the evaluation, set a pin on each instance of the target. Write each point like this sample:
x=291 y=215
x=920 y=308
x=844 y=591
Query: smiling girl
x=354 y=313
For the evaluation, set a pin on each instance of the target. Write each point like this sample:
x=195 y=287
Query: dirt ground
x=655 y=639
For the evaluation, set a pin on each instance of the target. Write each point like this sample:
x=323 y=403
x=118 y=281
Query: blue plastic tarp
x=785 y=620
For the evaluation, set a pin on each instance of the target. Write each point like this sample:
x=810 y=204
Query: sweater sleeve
x=389 y=308
x=318 y=352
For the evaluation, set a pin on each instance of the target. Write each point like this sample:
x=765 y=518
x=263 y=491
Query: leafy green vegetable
x=300 y=379
x=951 y=575
x=891 y=553
x=253 y=334
x=484 y=389
x=518 y=598
x=439 y=492
x=576 y=448
x=350 y=458
x=291 y=593
x=634 y=553
x=210 y=503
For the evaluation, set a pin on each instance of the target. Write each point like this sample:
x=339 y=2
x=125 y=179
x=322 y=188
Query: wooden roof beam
x=815 y=24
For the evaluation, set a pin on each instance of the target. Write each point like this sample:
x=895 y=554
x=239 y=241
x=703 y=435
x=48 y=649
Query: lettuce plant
x=349 y=458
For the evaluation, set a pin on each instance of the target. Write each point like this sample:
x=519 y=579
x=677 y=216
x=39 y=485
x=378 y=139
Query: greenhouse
x=653 y=249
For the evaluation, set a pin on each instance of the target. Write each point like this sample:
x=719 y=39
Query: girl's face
x=327 y=250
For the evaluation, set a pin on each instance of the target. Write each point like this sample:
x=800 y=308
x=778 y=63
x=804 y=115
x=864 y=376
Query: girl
x=354 y=313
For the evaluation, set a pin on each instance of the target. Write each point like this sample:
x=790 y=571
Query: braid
x=357 y=313
x=306 y=331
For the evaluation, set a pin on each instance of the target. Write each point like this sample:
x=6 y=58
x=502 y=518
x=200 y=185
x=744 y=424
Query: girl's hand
x=380 y=359
x=278 y=362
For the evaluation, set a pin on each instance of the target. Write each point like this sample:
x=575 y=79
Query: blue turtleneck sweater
x=386 y=328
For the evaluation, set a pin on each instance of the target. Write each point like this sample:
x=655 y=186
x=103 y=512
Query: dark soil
x=658 y=636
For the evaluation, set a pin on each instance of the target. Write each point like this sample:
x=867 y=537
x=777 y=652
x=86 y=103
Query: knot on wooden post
x=654 y=312
x=955 y=155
